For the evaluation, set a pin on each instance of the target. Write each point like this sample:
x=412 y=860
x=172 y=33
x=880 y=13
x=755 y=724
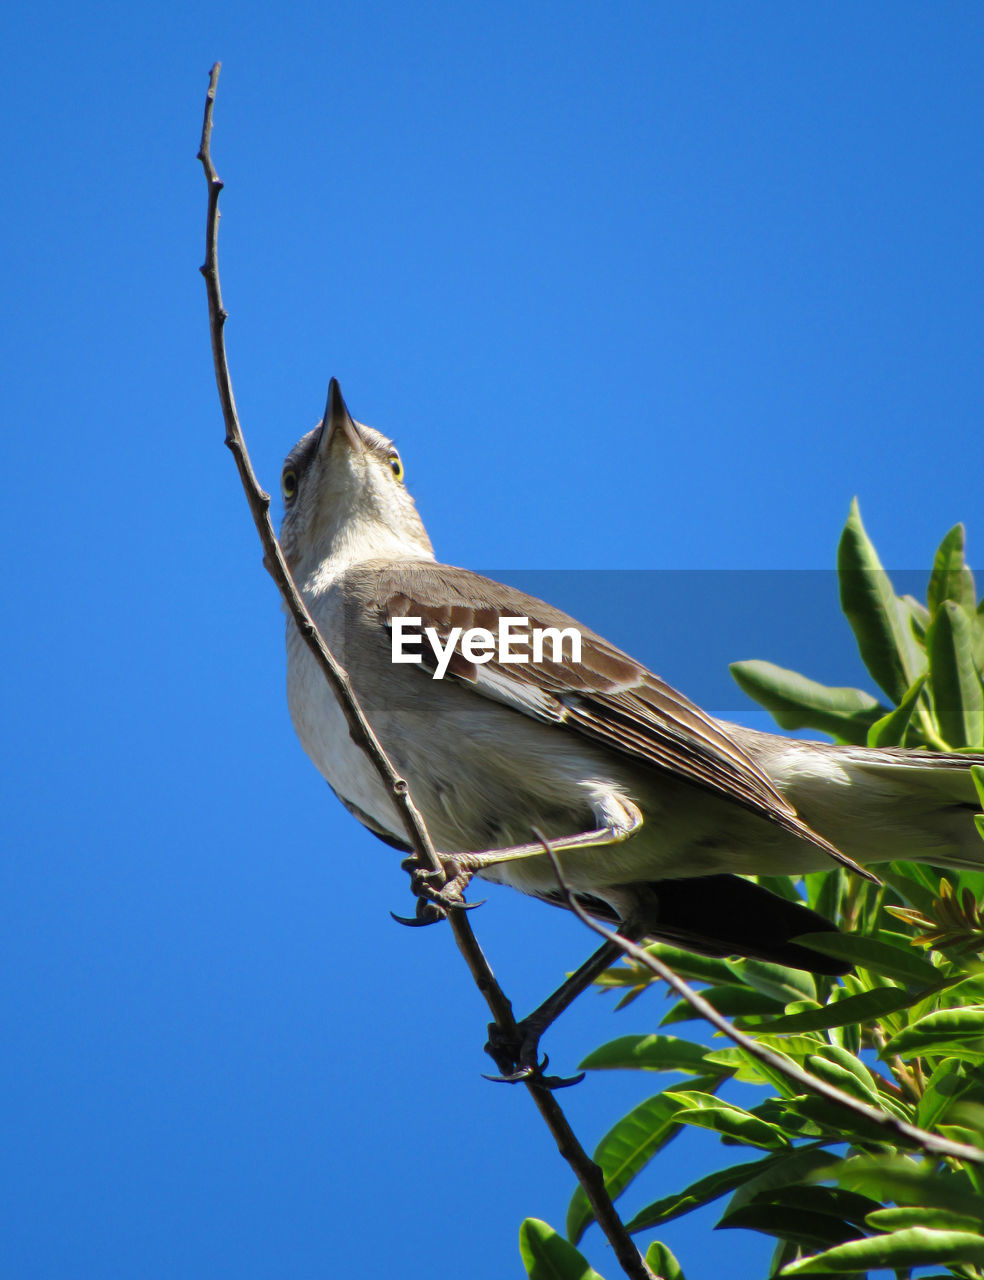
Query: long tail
x=880 y=804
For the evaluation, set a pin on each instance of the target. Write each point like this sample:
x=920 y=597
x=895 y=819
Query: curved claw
x=426 y=914
x=562 y=1082
x=548 y=1082
x=467 y=906
x=517 y=1077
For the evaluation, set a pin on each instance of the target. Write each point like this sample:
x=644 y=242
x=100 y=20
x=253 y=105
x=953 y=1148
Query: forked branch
x=587 y=1172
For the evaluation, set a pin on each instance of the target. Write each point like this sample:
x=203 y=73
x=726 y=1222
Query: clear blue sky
x=648 y=286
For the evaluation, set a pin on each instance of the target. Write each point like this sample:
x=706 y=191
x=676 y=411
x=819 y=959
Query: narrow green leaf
x=860 y=1008
x=699 y=968
x=835 y=1119
x=838 y=1067
x=919 y=617
x=725 y=1118
x=732 y=1002
x=848 y=1036
x=946 y=1030
x=662 y=1263
x=910 y=1247
x=904 y=964
x=908 y=1182
x=911 y=882
x=951 y=1081
x=890 y=730
x=825 y=891
x=699 y=1193
x=627 y=1147
x=951 y=579
x=835 y=1202
x=650 y=1053
x=885 y=641
x=957 y=688
x=920 y=1216
x=798 y=703
x=803 y=1226
x=752 y=1070
x=548 y=1256
x=775 y=980
x=783 y=1171
x=977 y=773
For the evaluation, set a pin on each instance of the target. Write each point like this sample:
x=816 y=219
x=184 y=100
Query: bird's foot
x=518 y=1057
x=437 y=892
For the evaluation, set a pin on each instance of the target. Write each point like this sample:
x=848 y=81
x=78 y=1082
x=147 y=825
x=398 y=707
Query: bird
x=657 y=812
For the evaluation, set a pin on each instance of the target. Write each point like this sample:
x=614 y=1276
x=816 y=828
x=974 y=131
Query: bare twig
x=929 y=1142
x=587 y=1172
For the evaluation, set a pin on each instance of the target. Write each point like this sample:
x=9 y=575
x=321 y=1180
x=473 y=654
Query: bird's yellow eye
x=288 y=485
x=396 y=466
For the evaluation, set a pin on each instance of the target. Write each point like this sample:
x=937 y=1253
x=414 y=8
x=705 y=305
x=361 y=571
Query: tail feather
x=879 y=804
x=727 y=916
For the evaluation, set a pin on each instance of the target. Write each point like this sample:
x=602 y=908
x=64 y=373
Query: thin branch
x=586 y=1171
x=929 y=1142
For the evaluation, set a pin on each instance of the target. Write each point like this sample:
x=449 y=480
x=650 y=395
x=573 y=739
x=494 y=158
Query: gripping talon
x=427 y=913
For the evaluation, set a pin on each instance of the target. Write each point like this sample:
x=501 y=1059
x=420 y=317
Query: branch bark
x=588 y=1174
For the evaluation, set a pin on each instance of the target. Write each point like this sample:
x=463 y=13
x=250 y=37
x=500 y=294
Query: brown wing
x=608 y=697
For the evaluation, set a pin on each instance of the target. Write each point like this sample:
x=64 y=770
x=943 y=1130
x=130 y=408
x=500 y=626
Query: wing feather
x=609 y=698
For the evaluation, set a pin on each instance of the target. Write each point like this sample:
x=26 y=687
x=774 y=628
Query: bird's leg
x=438 y=892
x=518 y=1058
x=622 y=823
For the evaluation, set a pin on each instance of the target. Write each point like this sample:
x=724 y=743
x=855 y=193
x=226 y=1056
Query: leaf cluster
x=903 y=1031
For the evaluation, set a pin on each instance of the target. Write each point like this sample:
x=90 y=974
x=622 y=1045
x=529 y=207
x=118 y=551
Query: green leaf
x=860 y=1008
x=750 y=1069
x=951 y=1081
x=743 y=1002
x=798 y=703
x=836 y=1119
x=775 y=980
x=701 y=1192
x=877 y=617
x=835 y=1202
x=838 y=1067
x=904 y=964
x=725 y=1118
x=698 y=968
x=910 y=1247
x=662 y=1262
x=977 y=774
x=651 y=1053
x=825 y=891
x=919 y=616
x=920 y=1216
x=890 y=730
x=548 y=1256
x=946 y=1030
x=627 y=1147
x=783 y=1171
x=803 y=1226
x=913 y=1182
x=951 y=579
x=913 y=883
x=957 y=688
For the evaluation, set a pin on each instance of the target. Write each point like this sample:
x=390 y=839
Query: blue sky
x=640 y=287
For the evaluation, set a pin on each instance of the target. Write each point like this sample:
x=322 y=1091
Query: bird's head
x=344 y=496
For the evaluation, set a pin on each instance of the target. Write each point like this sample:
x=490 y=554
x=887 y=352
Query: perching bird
x=654 y=808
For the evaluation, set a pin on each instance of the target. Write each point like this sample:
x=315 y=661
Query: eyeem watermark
x=514 y=642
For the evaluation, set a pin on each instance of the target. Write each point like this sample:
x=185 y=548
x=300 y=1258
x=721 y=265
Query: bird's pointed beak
x=338 y=421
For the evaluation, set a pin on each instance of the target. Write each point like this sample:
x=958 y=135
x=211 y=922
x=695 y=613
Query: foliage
x=903 y=1031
